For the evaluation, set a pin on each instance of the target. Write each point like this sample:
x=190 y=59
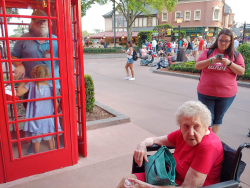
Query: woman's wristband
x=229 y=64
x=19 y=64
x=210 y=59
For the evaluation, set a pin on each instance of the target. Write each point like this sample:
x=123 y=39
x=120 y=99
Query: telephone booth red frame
x=65 y=17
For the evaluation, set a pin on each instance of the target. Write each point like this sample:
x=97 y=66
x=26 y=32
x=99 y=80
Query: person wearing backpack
x=220 y=65
x=189 y=48
x=130 y=61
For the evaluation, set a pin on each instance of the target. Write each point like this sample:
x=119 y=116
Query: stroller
x=148 y=60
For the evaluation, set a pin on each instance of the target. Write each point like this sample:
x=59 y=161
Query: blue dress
x=39 y=109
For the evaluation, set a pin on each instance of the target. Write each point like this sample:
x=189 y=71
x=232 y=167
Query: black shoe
x=157 y=68
x=248 y=133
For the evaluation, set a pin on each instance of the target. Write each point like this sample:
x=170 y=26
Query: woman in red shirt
x=218 y=86
x=198 y=151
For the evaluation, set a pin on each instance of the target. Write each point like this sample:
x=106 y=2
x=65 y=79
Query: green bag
x=160 y=170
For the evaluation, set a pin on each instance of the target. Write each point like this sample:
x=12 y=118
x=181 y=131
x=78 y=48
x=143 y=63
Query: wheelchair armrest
x=155 y=147
x=226 y=184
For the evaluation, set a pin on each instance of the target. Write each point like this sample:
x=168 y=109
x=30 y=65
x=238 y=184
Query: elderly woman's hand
x=140 y=153
x=137 y=184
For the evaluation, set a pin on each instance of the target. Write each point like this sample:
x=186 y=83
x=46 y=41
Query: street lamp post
x=244 y=31
x=179 y=19
x=22 y=26
x=114 y=27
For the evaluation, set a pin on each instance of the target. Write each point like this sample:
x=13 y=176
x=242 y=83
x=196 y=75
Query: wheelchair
x=232 y=166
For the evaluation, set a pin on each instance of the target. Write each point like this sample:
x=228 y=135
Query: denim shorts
x=217 y=106
x=130 y=60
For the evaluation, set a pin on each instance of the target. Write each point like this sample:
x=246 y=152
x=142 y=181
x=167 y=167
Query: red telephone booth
x=42 y=97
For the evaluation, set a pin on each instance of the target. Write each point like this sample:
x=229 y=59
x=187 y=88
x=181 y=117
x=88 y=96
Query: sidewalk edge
x=154 y=70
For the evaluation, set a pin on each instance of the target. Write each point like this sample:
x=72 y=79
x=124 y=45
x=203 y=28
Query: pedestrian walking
x=154 y=45
x=236 y=43
x=189 y=48
x=217 y=87
x=130 y=61
x=195 y=48
x=201 y=44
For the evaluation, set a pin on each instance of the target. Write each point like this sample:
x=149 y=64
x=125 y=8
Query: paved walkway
x=151 y=102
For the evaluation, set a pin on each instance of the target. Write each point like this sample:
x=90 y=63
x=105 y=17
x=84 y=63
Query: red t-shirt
x=206 y=157
x=201 y=45
x=218 y=80
x=169 y=45
x=184 y=44
x=149 y=47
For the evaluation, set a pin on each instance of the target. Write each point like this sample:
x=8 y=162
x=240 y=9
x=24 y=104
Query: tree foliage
x=132 y=8
x=86 y=4
x=85 y=33
x=19 y=31
x=142 y=36
x=97 y=30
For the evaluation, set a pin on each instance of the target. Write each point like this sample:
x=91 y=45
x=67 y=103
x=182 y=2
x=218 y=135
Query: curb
x=154 y=70
x=118 y=119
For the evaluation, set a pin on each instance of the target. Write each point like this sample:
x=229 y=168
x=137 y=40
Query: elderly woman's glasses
x=224 y=41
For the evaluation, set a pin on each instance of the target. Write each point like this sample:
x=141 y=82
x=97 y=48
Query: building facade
x=199 y=15
x=201 y=18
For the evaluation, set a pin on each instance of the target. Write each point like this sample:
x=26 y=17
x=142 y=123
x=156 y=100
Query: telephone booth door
x=38 y=125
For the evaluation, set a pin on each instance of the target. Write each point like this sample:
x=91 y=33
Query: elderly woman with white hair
x=198 y=151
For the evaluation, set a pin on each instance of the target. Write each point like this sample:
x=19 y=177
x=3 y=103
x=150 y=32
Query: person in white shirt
x=154 y=45
x=205 y=43
x=236 y=43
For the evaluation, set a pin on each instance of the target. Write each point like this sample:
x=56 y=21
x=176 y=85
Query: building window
x=149 y=21
x=231 y=20
x=197 y=15
x=217 y=14
x=116 y=21
x=120 y=21
x=125 y=22
x=136 y=22
x=176 y=14
x=187 y=16
x=165 y=16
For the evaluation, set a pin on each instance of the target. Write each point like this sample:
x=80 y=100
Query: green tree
x=85 y=33
x=19 y=31
x=132 y=8
x=97 y=30
x=86 y=4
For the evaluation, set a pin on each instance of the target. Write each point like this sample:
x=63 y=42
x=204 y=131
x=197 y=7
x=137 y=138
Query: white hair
x=194 y=109
x=200 y=36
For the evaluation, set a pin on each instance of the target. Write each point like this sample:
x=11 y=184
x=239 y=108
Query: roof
x=109 y=14
x=143 y=29
x=237 y=31
x=227 y=9
x=151 y=12
x=111 y=34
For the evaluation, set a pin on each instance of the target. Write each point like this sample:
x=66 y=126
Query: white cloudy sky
x=94 y=19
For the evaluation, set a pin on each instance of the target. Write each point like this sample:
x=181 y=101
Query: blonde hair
x=40 y=71
x=188 y=38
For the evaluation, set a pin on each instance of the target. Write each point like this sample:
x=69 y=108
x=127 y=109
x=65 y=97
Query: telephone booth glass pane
x=31 y=72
